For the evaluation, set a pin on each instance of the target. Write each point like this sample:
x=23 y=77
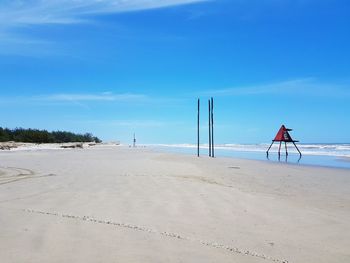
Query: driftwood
x=72 y=146
x=8 y=146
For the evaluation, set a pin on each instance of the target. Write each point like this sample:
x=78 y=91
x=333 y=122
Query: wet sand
x=115 y=204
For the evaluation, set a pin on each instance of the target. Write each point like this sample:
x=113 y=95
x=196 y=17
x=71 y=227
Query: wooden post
x=212 y=127
x=209 y=119
x=198 y=129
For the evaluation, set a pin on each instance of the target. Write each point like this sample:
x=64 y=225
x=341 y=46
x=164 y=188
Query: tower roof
x=283 y=135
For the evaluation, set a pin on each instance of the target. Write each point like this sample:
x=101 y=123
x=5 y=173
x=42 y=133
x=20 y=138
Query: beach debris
x=283 y=136
x=234 y=167
x=72 y=146
x=8 y=145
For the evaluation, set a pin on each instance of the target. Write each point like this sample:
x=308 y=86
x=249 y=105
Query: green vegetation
x=43 y=136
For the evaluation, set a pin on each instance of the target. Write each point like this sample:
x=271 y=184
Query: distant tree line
x=43 y=136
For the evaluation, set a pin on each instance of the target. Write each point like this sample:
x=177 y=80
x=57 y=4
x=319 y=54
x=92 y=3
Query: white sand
x=132 y=205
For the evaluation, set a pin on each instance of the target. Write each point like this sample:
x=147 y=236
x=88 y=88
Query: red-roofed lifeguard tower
x=283 y=136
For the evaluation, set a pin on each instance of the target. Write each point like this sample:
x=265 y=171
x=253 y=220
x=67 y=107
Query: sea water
x=320 y=154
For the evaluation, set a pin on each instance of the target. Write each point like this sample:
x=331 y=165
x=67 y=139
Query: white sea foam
x=337 y=150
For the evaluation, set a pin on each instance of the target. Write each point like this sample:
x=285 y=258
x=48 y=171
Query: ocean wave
x=337 y=150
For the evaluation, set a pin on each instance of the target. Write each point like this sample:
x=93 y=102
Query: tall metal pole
x=212 y=127
x=198 y=129
x=209 y=128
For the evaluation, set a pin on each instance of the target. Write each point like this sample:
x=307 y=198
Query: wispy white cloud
x=19 y=12
x=67 y=97
x=140 y=123
x=80 y=99
x=87 y=99
x=303 y=86
x=17 y=17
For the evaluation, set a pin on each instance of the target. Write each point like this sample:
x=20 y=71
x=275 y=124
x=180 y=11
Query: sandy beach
x=119 y=204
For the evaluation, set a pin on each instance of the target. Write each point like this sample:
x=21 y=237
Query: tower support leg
x=279 y=149
x=285 y=145
x=267 y=152
x=297 y=148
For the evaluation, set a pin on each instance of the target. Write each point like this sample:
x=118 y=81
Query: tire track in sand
x=14 y=174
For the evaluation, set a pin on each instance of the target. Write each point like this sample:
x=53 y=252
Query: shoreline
x=305 y=160
x=18 y=146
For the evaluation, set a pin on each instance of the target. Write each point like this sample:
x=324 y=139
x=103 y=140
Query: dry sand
x=115 y=204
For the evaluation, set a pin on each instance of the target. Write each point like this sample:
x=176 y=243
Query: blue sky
x=118 y=67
